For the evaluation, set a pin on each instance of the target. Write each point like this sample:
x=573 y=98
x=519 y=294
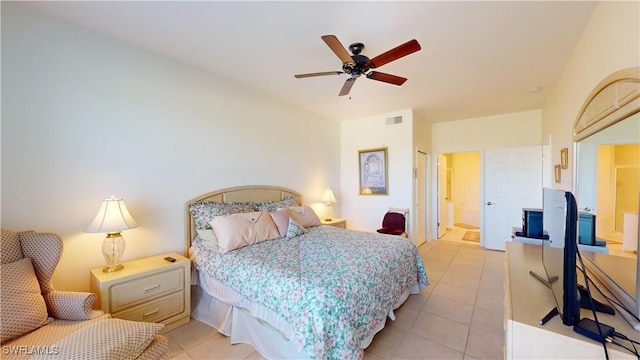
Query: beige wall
x=610 y=42
x=85 y=116
x=365 y=212
x=498 y=131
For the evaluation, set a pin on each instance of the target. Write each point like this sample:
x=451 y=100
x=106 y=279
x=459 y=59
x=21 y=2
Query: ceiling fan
x=358 y=64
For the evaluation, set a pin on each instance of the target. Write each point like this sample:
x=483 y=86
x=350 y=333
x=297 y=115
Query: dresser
x=527 y=301
x=150 y=289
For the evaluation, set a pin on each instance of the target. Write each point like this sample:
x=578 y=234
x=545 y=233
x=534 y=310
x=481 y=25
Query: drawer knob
x=150 y=289
x=150 y=313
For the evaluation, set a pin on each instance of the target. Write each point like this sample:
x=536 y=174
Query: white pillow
x=209 y=238
x=22 y=306
x=239 y=230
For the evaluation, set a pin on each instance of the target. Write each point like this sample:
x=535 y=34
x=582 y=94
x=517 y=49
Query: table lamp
x=112 y=218
x=328 y=199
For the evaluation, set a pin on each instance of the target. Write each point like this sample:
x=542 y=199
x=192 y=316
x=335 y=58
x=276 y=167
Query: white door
x=513 y=180
x=420 y=211
x=442 y=195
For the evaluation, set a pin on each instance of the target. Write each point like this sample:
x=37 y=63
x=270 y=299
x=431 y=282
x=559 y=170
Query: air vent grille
x=394 y=120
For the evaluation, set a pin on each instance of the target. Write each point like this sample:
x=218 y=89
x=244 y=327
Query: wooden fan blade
x=300 y=76
x=388 y=78
x=335 y=45
x=346 y=88
x=396 y=53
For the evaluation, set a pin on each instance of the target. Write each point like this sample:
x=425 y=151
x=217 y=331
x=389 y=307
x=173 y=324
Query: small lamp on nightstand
x=112 y=218
x=328 y=198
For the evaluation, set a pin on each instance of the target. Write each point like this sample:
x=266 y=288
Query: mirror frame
x=615 y=98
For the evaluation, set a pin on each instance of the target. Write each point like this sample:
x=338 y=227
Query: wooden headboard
x=255 y=193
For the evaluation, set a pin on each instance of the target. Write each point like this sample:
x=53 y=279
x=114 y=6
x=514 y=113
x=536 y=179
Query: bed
x=321 y=293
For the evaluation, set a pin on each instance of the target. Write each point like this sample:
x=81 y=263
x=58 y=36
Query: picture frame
x=373 y=174
x=564 y=158
x=557 y=173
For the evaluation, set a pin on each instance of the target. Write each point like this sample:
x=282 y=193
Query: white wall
x=610 y=42
x=497 y=131
x=365 y=212
x=84 y=117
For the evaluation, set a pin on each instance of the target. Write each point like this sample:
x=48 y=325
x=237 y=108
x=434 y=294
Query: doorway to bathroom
x=460 y=197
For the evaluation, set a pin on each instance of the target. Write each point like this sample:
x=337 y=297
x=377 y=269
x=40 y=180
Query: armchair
x=38 y=320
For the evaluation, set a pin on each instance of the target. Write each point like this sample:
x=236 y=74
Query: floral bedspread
x=334 y=286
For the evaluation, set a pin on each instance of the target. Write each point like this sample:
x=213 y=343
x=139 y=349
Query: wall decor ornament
x=564 y=158
x=557 y=175
x=373 y=171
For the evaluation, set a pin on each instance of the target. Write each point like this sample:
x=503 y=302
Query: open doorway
x=460 y=197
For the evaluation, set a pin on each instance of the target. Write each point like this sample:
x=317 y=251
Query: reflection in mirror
x=608 y=174
x=608 y=183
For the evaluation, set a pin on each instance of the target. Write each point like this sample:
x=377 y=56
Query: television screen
x=559 y=221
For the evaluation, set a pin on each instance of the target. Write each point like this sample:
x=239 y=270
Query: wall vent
x=394 y=120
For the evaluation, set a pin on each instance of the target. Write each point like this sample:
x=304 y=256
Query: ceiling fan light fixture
x=357 y=64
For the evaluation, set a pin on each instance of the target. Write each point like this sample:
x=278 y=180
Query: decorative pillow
x=204 y=211
x=275 y=205
x=108 y=339
x=209 y=238
x=22 y=306
x=70 y=305
x=239 y=230
x=304 y=215
x=295 y=229
x=281 y=219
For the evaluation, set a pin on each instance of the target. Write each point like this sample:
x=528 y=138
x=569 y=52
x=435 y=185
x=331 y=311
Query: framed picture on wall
x=374 y=179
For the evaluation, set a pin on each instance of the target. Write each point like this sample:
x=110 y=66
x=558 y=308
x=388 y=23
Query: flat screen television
x=559 y=255
x=559 y=221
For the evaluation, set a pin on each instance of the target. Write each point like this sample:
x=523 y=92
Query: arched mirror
x=607 y=164
x=607 y=136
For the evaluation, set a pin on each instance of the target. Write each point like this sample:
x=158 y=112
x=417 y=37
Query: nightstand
x=150 y=289
x=339 y=223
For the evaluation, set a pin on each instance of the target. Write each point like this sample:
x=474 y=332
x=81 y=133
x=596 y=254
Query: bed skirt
x=249 y=323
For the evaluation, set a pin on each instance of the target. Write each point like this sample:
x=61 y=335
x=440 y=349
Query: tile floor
x=458 y=316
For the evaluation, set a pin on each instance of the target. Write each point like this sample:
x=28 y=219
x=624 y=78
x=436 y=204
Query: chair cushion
x=393 y=220
x=22 y=306
x=110 y=339
x=391 y=231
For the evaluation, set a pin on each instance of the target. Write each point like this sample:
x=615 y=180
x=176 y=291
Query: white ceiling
x=477 y=58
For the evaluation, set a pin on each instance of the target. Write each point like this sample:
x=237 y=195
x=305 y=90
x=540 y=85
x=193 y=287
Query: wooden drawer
x=155 y=310
x=131 y=293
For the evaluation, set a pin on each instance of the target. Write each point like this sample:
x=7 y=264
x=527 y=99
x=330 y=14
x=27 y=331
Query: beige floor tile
x=417 y=301
x=468 y=270
x=443 y=331
x=449 y=309
x=254 y=356
x=191 y=334
x=461 y=280
x=487 y=320
x=218 y=347
x=453 y=292
x=405 y=316
x=386 y=342
x=490 y=301
x=484 y=344
x=415 y=347
x=434 y=265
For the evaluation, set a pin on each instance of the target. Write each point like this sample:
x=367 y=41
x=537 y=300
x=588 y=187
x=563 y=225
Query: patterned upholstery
x=66 y=309
x=23 y=308
x=45 y=250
